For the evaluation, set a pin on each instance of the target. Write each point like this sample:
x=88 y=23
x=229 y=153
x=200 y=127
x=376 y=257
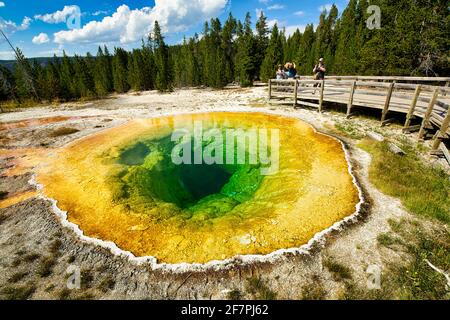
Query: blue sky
x=47 y=27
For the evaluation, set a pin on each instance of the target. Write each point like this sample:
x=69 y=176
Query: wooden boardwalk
x=415 y=97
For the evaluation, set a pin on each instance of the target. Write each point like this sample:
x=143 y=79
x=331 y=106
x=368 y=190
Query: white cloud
x=9 y=26
x=100 y=12
x=272 y=22
x=264 y=1
x=126 y=25
x=25 y=24
x=258 y=12
x=299 y=13
x=2 y=4
x=41 y=38
x=51 y=52
x=326 y=7
x=276 y=7
x=7 y=55
x=58 y=16
x=290 y=30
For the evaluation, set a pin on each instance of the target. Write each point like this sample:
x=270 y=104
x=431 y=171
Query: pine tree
x=292 y=46
x=193 y=65
x=216 y=56
x=163 y=81
x=261 y=42
x=203 y=54
x=52 y=83
x=305 y=56
x=120 y=71
x=6 y=84
x=179 y=65
x=346 y=57
x=431 y=57
x=66 y=70
x=186 y=64
x=228 y=47
x=23 y=74
x=136 y=76
x=245 y=56
x=39 y=79
x=325 y=39
x=103 y=77
x=273 y=57
x=148 y=67
x=414 y=42
x=333 y=35
x=83 y=79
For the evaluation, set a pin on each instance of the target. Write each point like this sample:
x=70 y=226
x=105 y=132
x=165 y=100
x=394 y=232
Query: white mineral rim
x=318 y=240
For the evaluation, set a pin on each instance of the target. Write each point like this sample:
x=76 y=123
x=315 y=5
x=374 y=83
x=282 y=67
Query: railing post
x=387 y=102
x=412 y=106
x=322 y=87
x=442 y=131
x=426 y=117
x=270 y=89
x=350 y=99
x=295 y=92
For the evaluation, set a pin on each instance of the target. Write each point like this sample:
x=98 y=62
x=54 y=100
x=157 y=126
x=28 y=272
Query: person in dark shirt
x=319 y=70
x=291 y=70
x=319 y=73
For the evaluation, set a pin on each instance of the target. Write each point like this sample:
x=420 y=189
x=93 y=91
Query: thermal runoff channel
x=200 y=187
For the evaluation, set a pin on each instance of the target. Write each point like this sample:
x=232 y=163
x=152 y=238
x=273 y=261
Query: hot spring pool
x=127 y=185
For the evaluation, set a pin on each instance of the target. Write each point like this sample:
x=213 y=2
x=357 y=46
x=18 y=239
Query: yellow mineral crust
x=312 y=190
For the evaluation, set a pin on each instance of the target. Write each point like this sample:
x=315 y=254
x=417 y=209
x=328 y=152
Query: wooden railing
x=415 y=100
x=439 y=80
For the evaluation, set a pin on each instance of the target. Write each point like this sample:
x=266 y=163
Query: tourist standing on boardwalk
x=319 y=70
x=291 y=70
x=281 y=74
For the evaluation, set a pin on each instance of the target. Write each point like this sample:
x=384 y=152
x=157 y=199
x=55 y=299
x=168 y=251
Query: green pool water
x=148 y=175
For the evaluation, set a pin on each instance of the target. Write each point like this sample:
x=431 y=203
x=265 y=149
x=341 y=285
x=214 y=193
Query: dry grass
x=413 y=279
x=417 y=280
x=107 y=284
x=64 y=294
x=46 y=267
x=31 y=257
x=314 y=290
x=23 y=292
x=338 y=270
x=235 y=295
x=349 y=129
x=16 y=277
x=423 y=190
x=258 y=288
x=55 y=247
x=86 y=279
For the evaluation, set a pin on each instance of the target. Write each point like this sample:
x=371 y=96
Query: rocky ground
x=37 y=254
